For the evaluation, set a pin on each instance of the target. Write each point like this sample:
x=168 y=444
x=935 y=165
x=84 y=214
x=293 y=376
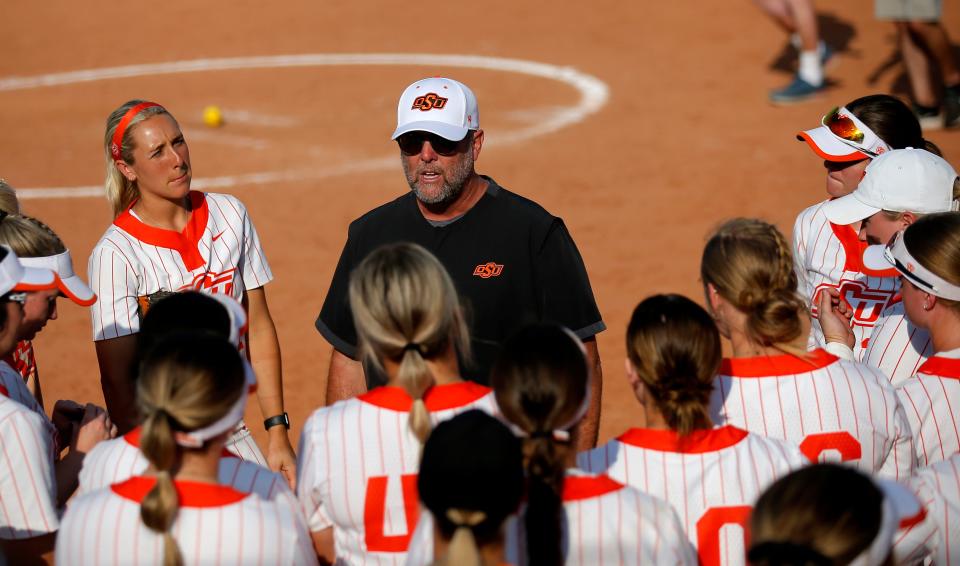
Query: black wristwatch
x=277 y=420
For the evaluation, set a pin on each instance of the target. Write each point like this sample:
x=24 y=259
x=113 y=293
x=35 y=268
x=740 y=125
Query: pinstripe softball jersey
x=835 y=410
x=826 y=255
x=215 y=524
x=118 y=459
x=218 y=252
x=358 y=463
x=28 y=490
x=931 y=400
x=711 y=477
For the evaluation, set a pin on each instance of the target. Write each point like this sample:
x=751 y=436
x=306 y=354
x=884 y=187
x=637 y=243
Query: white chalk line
x=594 y=94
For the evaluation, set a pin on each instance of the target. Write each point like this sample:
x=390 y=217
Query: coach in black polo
x=512 y=261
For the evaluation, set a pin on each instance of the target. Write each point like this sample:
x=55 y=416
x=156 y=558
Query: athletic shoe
x=951 y=106
x=929 y=118
x=797 y=91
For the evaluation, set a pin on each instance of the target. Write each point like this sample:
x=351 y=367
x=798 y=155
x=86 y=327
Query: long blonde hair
x=187 y=381
x=749 y=263
x=120 y=191
x=29 y=237
x=406 y=309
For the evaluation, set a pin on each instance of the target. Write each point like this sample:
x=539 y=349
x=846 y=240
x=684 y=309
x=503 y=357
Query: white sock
x=810 y=69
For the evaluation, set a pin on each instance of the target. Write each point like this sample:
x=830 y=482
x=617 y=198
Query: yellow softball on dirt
x=213 y=116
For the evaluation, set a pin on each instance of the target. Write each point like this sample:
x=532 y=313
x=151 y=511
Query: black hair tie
x=413 y=346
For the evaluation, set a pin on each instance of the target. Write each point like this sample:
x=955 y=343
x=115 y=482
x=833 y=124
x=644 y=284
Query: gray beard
x=452 y=185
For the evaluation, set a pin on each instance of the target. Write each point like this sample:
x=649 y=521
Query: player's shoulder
x=814 y=211
x=784 y=454
x=871 y=377
x=115 y=240
x=224 y=199
x=14 y=415
x=323 y=419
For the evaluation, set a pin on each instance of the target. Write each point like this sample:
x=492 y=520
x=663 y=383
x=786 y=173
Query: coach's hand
x=280 y=455
x=834 y=315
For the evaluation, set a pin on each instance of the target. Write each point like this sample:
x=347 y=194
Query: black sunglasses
x=412 y=142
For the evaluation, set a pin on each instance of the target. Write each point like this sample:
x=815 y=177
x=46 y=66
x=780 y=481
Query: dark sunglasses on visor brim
x=411 y=143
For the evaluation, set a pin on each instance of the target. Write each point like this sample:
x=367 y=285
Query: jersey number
x=375 y=508
x=708 y=531
x=843 y=442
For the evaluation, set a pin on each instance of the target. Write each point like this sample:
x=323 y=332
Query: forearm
x=589 y=428
x=116 y=358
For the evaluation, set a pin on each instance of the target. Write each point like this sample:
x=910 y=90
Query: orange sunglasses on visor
x=843 y=124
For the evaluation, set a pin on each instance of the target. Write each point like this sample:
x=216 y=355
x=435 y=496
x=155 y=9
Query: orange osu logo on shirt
x=428 y=102
x=212 y=282
x=488 y=270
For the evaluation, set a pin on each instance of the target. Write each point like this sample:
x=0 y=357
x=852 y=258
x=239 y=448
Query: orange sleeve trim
x=775 y=366
x=4 y=391
x=133 y=437
x=941 y=367
x=697 y=442
x=914 y=520
x=190 y=493
x=186 y=243
x=576 y=488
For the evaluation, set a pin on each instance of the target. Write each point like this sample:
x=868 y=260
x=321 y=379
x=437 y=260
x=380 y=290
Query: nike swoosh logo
x=217 y=237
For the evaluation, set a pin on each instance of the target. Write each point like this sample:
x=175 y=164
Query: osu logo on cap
x=488 y=270
x=428 y=102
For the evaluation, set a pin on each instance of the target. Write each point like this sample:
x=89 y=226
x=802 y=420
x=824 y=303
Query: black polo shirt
x=512 y=262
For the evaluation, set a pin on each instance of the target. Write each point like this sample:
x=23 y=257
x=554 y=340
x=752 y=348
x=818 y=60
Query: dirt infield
x=685 y=139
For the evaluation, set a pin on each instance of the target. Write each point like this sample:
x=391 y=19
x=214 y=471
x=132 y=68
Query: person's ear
x=908 y=218
x=929 y=301
x=714 y=300
x=632 y=377
x=477 y=143
x=125 y=170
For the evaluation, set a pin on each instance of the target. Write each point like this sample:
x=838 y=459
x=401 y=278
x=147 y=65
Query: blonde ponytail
x=187 y=381
x=159 y=508
x=406 y=309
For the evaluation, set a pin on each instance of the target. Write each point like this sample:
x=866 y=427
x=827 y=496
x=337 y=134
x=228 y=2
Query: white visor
x=15 y=277
x=67 y=281
x=899 y=509
x=197 y=438
x=895 y=255
x=237 y=314
x=832 y=147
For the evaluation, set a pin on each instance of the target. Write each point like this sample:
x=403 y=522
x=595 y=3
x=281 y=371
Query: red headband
x=117 y=143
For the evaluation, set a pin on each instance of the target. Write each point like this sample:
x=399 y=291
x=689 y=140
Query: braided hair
x=750 y=264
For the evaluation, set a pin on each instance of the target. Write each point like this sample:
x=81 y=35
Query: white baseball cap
x=440 y=106
x=69 y=282
x=899 y=180
x=16 y=277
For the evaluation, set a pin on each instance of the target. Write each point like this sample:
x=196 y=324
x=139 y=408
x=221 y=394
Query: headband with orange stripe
x=116 y=144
